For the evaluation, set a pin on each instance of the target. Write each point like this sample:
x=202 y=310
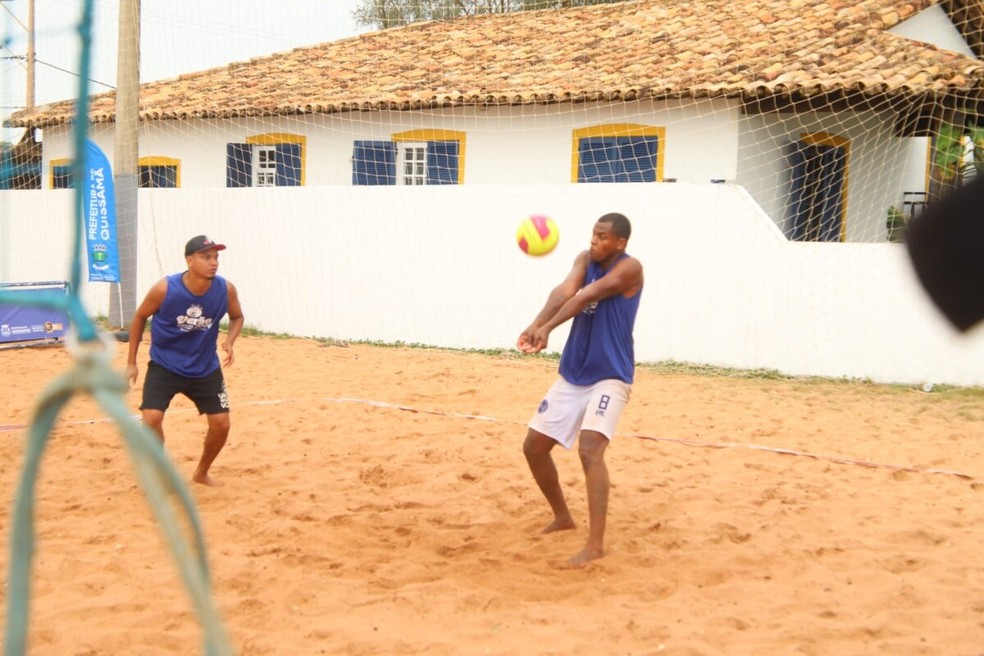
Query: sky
x=176 y=36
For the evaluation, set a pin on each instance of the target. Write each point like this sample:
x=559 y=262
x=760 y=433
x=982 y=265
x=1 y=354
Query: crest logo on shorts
x=603 y=405
x=543 y=407
x=224 y=397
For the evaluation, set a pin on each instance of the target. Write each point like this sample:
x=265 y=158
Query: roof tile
x=645 y=48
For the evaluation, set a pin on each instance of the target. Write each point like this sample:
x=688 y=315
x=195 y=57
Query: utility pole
x=29 y=99
x=123 y=303
x=29 y=28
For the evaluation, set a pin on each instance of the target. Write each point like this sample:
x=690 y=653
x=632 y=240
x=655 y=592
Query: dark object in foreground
x=946 y=245
x=122 y=335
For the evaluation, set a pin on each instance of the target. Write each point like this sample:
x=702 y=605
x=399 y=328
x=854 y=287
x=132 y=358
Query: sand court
x=375 y=500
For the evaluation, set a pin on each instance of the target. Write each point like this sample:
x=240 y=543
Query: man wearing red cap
x=187 y=308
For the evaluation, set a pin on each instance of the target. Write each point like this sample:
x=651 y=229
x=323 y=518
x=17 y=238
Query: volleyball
x=537 y=235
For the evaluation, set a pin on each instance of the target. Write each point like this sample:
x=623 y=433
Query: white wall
x=933 y=26
x=439 y=266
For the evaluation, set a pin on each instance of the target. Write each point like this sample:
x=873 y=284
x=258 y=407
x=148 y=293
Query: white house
x=369 y=187
x=821 y=111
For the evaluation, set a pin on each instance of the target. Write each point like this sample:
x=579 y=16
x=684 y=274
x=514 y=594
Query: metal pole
x=123 y=303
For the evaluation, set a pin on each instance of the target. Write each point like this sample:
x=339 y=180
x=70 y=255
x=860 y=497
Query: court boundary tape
x=840 y=460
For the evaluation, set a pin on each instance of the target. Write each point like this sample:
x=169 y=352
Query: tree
x=383 y=14
x=958 y=156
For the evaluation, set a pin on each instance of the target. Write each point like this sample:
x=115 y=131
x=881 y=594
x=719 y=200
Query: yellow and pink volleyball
x=537 y=235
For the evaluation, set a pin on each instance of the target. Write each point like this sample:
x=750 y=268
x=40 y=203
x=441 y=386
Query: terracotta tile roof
x=647 y=48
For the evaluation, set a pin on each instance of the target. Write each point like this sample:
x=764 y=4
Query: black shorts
x=161 y=385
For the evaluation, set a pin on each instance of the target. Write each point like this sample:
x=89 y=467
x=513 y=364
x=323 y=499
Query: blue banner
x=99 y=215
x=31 y=323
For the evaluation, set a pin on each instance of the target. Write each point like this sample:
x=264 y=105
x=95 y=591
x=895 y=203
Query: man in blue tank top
x=187 y=308
x=601 y=294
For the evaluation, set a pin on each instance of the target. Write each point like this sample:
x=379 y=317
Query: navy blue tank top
x=185 y=328
x=600 y=344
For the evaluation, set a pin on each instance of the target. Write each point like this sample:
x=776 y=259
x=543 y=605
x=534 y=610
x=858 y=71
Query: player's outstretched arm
x=559 y=295
x=236 y=322
x=150 y=305
x=624 y=278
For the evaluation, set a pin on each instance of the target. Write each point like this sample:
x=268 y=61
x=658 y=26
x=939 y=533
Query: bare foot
x=585 y=556
x=566 y=524
x=205 y=479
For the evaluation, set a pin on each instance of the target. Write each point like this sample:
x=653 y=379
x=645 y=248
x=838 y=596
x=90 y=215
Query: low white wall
x=439 y=266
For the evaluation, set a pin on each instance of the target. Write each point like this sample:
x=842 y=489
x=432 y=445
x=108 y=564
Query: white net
x=369 y=187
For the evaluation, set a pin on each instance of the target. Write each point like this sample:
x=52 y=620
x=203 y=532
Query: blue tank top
x=600 y=344
x=185 y=328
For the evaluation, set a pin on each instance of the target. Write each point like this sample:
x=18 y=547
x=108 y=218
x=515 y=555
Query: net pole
x=126 y=156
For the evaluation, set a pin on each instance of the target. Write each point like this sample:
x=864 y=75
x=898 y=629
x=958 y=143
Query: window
x=266 y=160
x=159 y=173
x=265 y=165
x=416 y=157
x=817 y=201
x=620 y=152
x=412 y=164
x=61 y=174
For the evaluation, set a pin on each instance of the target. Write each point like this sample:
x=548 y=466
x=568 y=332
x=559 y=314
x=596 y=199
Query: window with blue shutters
x=416 y=157
x=816 y=206
x=159 y=173
x=266 y=160
x=623 y=152
x=61 y=174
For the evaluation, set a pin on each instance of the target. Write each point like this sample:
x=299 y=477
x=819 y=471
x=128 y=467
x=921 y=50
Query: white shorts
x=568 y=409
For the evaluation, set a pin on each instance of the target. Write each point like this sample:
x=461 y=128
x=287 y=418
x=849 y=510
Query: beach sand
x=375 y=500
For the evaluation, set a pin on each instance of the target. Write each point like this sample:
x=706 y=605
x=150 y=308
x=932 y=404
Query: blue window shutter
x=637 y=159
x=595 y=160
x=833 y=165
x=816 y=191
x=442 y=162
x=6 y=179
x=158 y=177
x=239 y=165
x=374 y=163
x=168 y=177
x=288 y=160
x=796 y=203
x=63 y=178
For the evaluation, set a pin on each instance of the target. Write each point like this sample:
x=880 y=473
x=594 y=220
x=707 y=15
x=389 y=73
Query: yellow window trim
x=619 y=130
x=929 y=165
x=63 y=161
x=276 y=138
x=163 y=161
x=437 y=135
x=827 y=139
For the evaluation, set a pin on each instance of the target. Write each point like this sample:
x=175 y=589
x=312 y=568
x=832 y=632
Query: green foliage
x=949 y=150
x=895 y=224
x=977 y=135
x=950 y=166
x=948 y=153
